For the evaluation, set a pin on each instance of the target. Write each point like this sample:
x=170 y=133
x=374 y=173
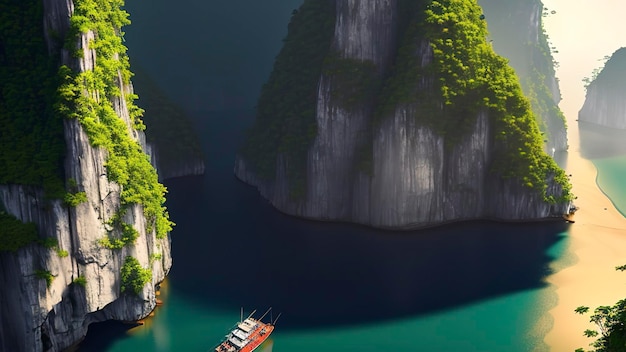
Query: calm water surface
x=471 y=287
x=606 y=148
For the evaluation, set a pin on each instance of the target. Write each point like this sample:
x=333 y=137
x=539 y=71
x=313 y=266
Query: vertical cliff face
x=392 y=148
x=605 y=102
x=361 y=37
x=50 y=294
x=517 y=32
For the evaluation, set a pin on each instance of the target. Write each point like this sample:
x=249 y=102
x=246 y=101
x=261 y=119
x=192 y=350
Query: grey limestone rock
x=416 y=180
x=34 y=317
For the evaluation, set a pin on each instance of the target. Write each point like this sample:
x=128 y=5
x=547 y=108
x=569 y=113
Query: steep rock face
x=35 y=317
x=416 y=177
x=359 y=36
x=605 y=101
x=517 y=32
x=56 y=22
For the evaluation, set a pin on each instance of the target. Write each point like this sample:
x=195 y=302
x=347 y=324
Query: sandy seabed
x=598 y=242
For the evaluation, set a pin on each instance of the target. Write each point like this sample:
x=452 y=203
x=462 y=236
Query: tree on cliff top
x=612 y=74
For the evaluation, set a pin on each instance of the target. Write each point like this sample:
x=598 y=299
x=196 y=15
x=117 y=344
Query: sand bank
x=598 y=240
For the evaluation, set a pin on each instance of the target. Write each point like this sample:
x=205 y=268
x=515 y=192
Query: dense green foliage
x=127 y=164
x=464 y=78
x=32 y=107
x=285 y=120
x=134 y=277
x=530 y=57
x=537 y=89
x=46 y=275
x=610 y=322
x=128 y=236
x=15 y=234
x=355 y=82
x=73 y=199
x=31 y=132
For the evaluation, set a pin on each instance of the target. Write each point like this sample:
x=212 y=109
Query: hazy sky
x=583 y=31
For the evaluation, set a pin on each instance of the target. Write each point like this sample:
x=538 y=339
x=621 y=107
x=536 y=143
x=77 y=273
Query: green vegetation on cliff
x=530 y=54
x=45 y=275
x=134 y=277
x=15 y=234
x=355 y=82
x=537 y=88
x=31 y=132
x=612 y=75
x=466 y=77
x=90 y=97
x=285 y=120
x=128 y=235
x=81 y=281
x=35 y=96
x=444 y=70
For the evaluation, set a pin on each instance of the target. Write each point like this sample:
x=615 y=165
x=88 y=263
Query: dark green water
x=471 y=286
x=465 y=287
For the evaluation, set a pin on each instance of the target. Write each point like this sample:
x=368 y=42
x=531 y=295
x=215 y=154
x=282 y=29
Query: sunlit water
x=611 y=173
x=464 y=287
x=470 y=286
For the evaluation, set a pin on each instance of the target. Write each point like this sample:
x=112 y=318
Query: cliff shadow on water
x=233 y=249
x=317 y=273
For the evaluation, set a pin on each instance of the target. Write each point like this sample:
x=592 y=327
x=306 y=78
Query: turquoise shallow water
x=511 y=322
x=501 y=324
x=611 y=179
x=463 y=287
x=493 y=325
x=467 y=287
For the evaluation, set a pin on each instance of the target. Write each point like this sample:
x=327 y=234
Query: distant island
x=605 y=101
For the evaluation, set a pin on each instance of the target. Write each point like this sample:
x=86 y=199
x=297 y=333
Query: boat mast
x=269 y=310
x=241 y=316
x=274 y=322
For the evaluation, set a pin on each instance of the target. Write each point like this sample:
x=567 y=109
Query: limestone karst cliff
x=516 y=29
x=605 y=101
x=397 y=114
x=85 y=234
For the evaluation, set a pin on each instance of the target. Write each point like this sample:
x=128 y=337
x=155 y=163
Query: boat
x=247 y=334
